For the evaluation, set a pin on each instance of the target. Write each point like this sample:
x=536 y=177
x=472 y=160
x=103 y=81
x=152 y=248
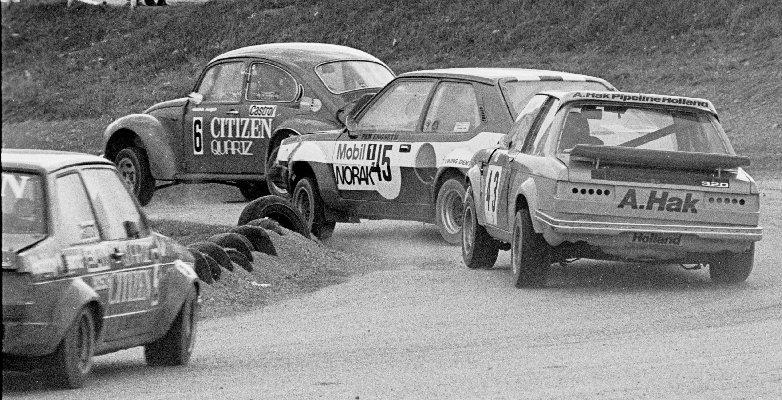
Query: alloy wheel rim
x=84 y=345
x=516 y=261
x=453 y=212
x=304 y=204
x=468 y=230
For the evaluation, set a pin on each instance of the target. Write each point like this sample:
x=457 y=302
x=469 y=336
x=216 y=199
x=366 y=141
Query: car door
x=215 y=144
x=130 y=285
x=502 y=166
x=369 y=160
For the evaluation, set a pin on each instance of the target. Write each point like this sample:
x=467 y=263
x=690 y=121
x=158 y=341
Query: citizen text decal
x=234 y=136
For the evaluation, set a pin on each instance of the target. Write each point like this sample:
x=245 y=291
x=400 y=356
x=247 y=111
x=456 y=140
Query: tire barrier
x=214 y=267
x=258 y=237
x=215 y=251
x=239 y=258
x=201 y=266
x=276 y=208
x=235 y=241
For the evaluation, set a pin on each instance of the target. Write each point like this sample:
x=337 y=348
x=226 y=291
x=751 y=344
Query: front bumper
x=646 y=240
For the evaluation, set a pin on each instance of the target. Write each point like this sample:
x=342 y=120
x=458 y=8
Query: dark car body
x=615 y=176
x=406 y=152
x=75 y=240
x=244 y=103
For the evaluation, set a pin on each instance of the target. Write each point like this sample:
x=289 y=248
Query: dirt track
x=422 y=325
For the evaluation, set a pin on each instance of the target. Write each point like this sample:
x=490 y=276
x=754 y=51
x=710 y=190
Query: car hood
x=167 y=104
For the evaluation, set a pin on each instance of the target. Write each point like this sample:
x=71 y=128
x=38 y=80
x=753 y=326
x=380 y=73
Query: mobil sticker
x=370 y=166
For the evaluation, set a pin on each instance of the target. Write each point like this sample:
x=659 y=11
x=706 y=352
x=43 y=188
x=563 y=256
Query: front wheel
x=449 y=210
x=133 y=166
x=176 y=347
x=734 y=268
x=529 y=256
x=307 y=200
x=479 y=250
x=72 y=360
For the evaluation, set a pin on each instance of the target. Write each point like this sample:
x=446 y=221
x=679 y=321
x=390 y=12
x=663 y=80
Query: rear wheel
x=449 y=210
x=307 y=200
x=176 y=347
x=529 y=258
x=479 y=250
x=72 y=360
x=734 y=268
x=133 y=166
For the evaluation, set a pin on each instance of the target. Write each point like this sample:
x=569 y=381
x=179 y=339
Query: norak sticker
x=368 y=166
x=660 y=201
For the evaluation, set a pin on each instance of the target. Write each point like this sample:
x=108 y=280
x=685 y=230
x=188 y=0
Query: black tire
x=271 y=186
x=306 y=199
x=214 y=267
x=201 y=266
x=529 y=255
x=479 y=250
x=253 y=190
x=72 y=360
x=268 y=224
x=234 y=241
x=732 y=268
x=449 y=210
x=176 y=346
x=133 y=166
x=258 y=237
x=215 y=251
x=276 y=208
x=239 y=259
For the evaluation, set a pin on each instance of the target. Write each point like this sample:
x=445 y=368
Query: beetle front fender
x=145 y=131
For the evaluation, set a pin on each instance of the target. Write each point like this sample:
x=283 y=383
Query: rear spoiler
x=657 y=158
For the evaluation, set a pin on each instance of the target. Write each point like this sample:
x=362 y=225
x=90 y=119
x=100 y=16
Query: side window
x=223 y=83
x=518 y=132
x=398 y=109
x=76 y=217
x=269 y=83
x=454 y=108
x=115 y=209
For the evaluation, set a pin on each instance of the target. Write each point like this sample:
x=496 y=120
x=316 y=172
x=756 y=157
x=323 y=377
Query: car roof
x=494 y=75
x=47 y=161
x=634 y=98
x=302 y=54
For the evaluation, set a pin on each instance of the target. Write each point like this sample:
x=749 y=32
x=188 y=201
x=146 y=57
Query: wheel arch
x=76 y=296
x=146 y=132
x=443 y=175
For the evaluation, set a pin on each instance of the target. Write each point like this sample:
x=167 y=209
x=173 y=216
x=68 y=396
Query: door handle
x=117 y=255
x=232 y=112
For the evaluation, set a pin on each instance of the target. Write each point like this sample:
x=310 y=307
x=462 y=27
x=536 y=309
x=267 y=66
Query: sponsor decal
x=490 y=194
x=657 y=238
x=367 y=166
x=14 y=184
x=198 y=135
x=644 y=98
x=715 y=184
x=660 y=201
x=264 y=111
x=130 y=286
x=308 y=103
x=461 y=127
x=456 y=161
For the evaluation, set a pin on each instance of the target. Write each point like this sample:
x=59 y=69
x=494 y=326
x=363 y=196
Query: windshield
x=519 y=93
x=347 y=76
x=24 y=220
x=643 y=128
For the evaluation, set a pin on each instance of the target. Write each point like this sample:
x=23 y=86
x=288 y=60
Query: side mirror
x=196 y=98
x=350 y=126
x=353 y=108
x=505 y=142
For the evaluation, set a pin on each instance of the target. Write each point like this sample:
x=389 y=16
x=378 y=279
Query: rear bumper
x=587 y=228
x=648 y=241
x=28 y=338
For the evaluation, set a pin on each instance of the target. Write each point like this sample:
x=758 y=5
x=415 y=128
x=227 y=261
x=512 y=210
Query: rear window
x=23 y=204
x=519 y=93
x=347 y=76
